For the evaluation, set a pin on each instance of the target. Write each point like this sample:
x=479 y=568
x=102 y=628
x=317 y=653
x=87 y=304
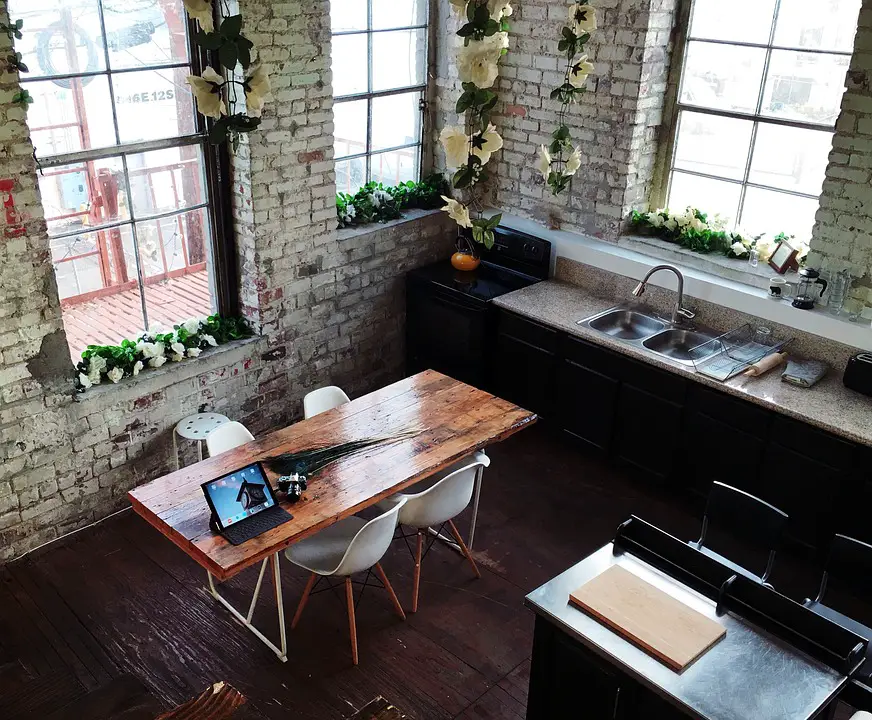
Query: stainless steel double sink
x=640 y=326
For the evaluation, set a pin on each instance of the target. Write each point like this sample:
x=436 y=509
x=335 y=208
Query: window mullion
x=108 y=71
x=139 y=274
x=369 y=86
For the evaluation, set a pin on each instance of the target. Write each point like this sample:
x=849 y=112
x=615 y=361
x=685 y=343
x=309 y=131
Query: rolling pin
x=766 y=364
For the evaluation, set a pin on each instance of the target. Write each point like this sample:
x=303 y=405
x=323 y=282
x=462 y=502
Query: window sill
x=156 y=379
x=633 y=259
x=409 y=216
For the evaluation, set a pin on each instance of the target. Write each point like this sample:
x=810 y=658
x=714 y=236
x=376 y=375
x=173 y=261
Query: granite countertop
x=828 y=405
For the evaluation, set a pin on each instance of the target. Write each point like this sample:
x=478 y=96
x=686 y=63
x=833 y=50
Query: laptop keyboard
x=256 y=525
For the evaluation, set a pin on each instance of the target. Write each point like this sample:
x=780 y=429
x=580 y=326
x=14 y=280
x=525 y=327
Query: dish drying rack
x=733 y=352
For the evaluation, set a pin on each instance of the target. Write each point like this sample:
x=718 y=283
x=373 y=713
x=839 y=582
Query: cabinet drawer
x=730 y=411
x=593 y=357
x=815 y=444
x=528 y=331
x=660 y=383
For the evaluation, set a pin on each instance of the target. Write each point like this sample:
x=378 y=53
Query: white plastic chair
x=322 y=400
x=439 y=505
x=861 y=715
x=350 y=546
x=226 y=437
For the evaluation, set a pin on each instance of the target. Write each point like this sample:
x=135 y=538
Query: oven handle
x=449 y=301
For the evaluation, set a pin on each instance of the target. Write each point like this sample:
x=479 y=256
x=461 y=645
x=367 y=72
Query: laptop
x=243 y=504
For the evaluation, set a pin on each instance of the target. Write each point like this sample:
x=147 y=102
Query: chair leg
x=352 y=626
x=416 y=580
x=384 y=578
x=463 y=547
x=303 y=600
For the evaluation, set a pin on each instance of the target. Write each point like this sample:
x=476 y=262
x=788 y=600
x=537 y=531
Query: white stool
x=196 y=427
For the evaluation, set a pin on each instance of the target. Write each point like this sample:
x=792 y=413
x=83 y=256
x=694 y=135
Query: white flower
x=683 y=219
x=573 y=163
x=717 y=222
x=499 y=9
x=156 y=362
x=655 y=219
x=477 y=62
x=582 y=18
x=543 y=163
x=456 y=144
x=379 y=198
x=670 y=224
x=177 y=357
x=206 y=90
x=115 y=374
x=201 y=11
x=738 y=249
x=350 y=211
x=458 y=212
x=193 y=352
x=137 y=366
x=579 y=72
x=97 y=365
x=84 y=381
x=191 y=326
x=257 y=89
x=491 y=142
x=150 y=349
x=178 y=348
x=209 y=340
x=697 y=224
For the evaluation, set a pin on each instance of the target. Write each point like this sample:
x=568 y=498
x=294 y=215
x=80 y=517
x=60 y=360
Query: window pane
x=350 y=120
x=747 y=21
x=349 y=65
x=173 y=251
x=56 y=127
x=395 y=167
x=710 y=196
x=722 y=77
x=84 y=194
x=790 y=158
x=80 y=263
x=398 y=59
x=166 y=180
x=773 y=212
x=350 y=175
x=347 y=15
x=153 y=104
x=827 y=26
x=145 y=33
x=60 y=37
x=713 y=145
x=805 y=86
x=396 y=120
x=398 y=13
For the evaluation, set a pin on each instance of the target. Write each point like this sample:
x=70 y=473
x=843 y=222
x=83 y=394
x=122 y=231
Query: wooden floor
x=119 y=600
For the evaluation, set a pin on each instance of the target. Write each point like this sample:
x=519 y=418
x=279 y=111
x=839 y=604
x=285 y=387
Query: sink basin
x=677 y=344
x=626 y=325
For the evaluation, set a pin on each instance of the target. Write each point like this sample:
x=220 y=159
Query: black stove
x=450 y=324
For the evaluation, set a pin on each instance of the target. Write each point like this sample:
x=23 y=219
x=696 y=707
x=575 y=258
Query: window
x=379 y=81
x=123 y=164
x=761 y=86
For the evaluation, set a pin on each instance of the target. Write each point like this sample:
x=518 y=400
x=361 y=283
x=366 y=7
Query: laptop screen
x=240 y=494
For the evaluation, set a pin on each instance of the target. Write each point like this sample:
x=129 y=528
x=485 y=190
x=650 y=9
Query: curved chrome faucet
x=679 y=312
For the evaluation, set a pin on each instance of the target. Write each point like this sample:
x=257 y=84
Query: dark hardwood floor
x=119 y=602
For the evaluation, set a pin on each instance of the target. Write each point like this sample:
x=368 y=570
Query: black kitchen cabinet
x=524 y=364
x=648 y=434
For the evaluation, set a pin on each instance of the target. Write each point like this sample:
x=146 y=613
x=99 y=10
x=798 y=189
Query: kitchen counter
x=828 y=405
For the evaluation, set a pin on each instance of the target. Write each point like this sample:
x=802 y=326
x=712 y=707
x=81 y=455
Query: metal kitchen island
x=794 y=669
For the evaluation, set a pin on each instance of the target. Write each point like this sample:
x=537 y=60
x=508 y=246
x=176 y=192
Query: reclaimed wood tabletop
x=455 y=420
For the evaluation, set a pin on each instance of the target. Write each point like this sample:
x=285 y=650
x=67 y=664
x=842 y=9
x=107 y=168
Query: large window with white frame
x=125 y=172
x=379 y=63
x=760 y=90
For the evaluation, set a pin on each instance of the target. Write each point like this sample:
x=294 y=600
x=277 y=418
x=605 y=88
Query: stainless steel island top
x=748 y=675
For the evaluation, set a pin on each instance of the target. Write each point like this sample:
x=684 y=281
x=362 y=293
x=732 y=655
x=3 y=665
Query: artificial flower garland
x=377 y=203
x=214 y=92
x=704 y=233
x=469 y=148
x=560 y=160
x=155 y=348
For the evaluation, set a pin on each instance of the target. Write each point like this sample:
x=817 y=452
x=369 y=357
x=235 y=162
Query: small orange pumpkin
x=464 y=261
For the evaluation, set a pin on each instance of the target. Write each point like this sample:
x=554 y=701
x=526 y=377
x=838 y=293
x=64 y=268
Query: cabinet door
x=718 y=451
x=586 y=403
x=523 y=374
x=648 y=431
x=581 y=686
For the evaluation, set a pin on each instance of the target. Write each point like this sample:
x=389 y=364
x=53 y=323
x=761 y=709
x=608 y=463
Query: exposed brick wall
x=328 y=305
x=842 y=236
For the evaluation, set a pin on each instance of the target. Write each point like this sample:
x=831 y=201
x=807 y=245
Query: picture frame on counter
x=783 y=258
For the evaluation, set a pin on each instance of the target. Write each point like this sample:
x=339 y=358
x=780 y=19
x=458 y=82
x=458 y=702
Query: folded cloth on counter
x=803 y=372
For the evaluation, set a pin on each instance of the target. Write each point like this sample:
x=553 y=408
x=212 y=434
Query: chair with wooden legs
x=348 y=547
x=437 y=506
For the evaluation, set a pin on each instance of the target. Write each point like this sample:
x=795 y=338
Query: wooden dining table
x=450 y=420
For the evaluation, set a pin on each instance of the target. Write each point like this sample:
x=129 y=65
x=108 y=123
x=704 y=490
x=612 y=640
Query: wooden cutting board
x=657 y=622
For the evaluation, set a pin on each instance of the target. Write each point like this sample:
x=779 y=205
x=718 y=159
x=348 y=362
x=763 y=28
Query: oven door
x=449 y=332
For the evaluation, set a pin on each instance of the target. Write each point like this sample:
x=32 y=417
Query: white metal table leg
x=282 y=652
